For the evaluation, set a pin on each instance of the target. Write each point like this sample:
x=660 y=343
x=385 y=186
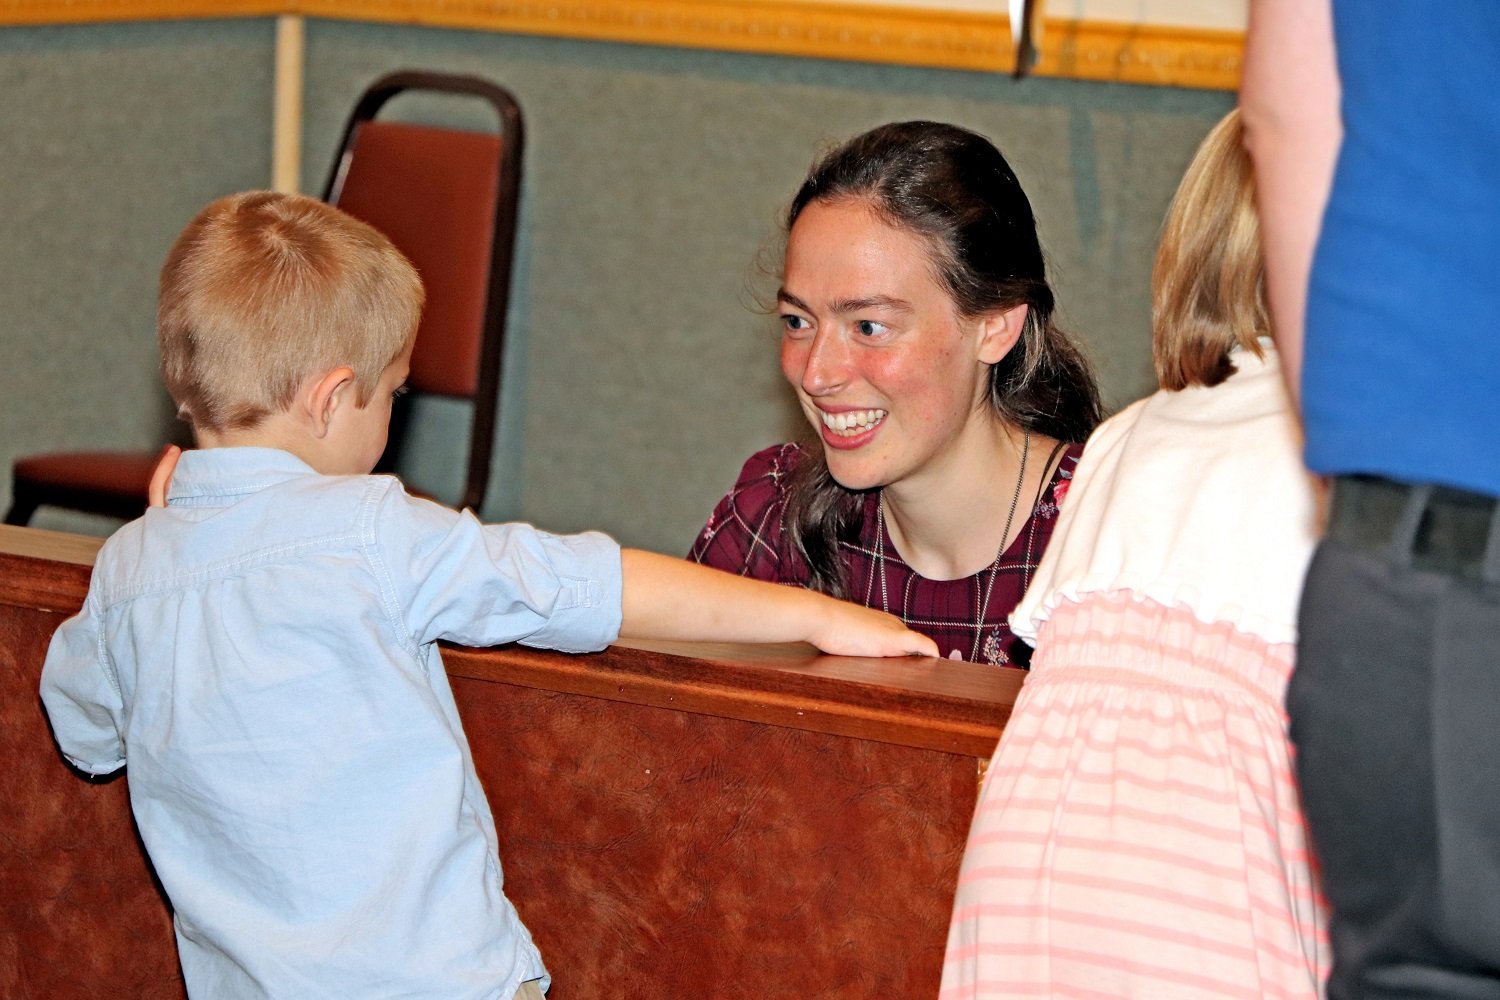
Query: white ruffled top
x=1196 y=498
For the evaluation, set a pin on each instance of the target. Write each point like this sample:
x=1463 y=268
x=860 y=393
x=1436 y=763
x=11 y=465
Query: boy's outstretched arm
x=670 y=598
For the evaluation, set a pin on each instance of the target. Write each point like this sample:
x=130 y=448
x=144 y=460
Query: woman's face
x=886 y=370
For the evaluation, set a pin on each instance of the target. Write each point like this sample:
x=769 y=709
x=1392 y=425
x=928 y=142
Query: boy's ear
x=999 y=331
x=326 y=396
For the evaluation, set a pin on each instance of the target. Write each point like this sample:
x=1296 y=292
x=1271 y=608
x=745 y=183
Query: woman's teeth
x=852 y=422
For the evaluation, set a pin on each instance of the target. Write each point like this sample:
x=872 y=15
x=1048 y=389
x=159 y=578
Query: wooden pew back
x=679 y=821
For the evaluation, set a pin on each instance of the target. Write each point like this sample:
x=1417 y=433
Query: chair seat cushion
x=123 y=475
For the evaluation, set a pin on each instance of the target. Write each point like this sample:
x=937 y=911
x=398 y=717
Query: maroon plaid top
x=745 y=535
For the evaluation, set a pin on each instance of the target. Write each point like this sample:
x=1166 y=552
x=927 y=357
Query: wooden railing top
x=931 y=704
x=46 y=570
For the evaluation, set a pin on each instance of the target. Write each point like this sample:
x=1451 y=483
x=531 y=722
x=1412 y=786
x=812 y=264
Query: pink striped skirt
x=1138 y=833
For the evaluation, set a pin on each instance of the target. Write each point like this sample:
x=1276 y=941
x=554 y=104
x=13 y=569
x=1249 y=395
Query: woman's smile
x=850 y=428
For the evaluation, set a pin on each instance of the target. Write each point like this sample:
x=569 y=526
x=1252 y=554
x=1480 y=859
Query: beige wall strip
x=286 y=115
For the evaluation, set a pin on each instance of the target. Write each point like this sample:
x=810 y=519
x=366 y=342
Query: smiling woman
x=918 y=337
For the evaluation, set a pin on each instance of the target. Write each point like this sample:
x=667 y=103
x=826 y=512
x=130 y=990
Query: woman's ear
x=999 y=331
x=325 y=396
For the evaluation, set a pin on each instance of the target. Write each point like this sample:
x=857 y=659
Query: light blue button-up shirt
x=260 y=653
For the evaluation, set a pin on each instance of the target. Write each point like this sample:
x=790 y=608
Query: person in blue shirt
x=1375 y=131
x=261 y=651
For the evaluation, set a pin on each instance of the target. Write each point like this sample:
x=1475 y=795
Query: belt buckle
x=1453 y=533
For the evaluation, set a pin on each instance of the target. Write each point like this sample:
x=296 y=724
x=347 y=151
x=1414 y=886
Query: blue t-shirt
x=261 y=654
x=1402 y=370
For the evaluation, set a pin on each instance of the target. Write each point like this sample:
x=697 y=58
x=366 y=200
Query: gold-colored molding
x=1148 y=54
x=911 y=36
x=33 y=12
x=869 y=33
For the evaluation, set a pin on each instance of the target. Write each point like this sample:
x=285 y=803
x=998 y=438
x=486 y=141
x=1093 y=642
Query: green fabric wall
x=114 y=136
x=639 y=374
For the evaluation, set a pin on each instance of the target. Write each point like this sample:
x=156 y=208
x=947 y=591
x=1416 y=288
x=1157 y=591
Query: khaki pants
x=530 y=991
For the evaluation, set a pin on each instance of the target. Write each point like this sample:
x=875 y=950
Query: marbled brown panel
x=80 y=912
x=655 y=852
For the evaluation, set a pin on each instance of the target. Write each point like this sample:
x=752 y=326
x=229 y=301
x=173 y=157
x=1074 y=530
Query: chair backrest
x=448 y=199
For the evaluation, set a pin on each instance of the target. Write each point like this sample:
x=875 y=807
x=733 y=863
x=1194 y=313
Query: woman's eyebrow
x=872 y=302
x=784 y=296
x=845 y=306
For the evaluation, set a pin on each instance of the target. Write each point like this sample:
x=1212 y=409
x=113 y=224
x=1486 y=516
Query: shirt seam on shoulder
x=370 y=544
x=125 y=592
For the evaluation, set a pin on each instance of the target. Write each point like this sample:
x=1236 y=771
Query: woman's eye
x=794 y=324
x=869 y=328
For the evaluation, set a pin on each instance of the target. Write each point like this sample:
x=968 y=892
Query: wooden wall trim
x=1145 y=54
x=32 y=12
x=912 y=36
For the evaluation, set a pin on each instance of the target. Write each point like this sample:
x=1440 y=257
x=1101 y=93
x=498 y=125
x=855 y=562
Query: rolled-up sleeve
x=81 y=696
x=488 y=584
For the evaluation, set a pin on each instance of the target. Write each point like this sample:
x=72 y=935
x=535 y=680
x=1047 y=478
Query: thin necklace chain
x=989 y=587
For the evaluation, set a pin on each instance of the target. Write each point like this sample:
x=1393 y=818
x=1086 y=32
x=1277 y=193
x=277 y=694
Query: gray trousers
x=1395 y=714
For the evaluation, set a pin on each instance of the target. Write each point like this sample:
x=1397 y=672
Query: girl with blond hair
x=1138 y=832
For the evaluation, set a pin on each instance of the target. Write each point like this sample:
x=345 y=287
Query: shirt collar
x=203 y=473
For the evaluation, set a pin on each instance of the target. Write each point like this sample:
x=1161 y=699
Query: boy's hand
x=854 y=630
x=161 y=477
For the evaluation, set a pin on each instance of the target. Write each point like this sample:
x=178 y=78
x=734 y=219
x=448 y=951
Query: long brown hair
x=953 y=188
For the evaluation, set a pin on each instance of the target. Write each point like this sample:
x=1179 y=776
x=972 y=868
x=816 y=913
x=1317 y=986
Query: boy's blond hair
x=264 y=290
x=1208 y=283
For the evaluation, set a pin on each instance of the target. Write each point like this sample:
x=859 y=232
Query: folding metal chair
x=448 y=199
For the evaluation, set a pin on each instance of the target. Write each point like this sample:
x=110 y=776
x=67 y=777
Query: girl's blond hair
x=1208 y=282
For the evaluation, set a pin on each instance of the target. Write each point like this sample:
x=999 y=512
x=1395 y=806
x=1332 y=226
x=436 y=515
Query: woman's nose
x=824 y=366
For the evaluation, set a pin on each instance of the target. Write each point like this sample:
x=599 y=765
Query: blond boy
x=261 y=650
